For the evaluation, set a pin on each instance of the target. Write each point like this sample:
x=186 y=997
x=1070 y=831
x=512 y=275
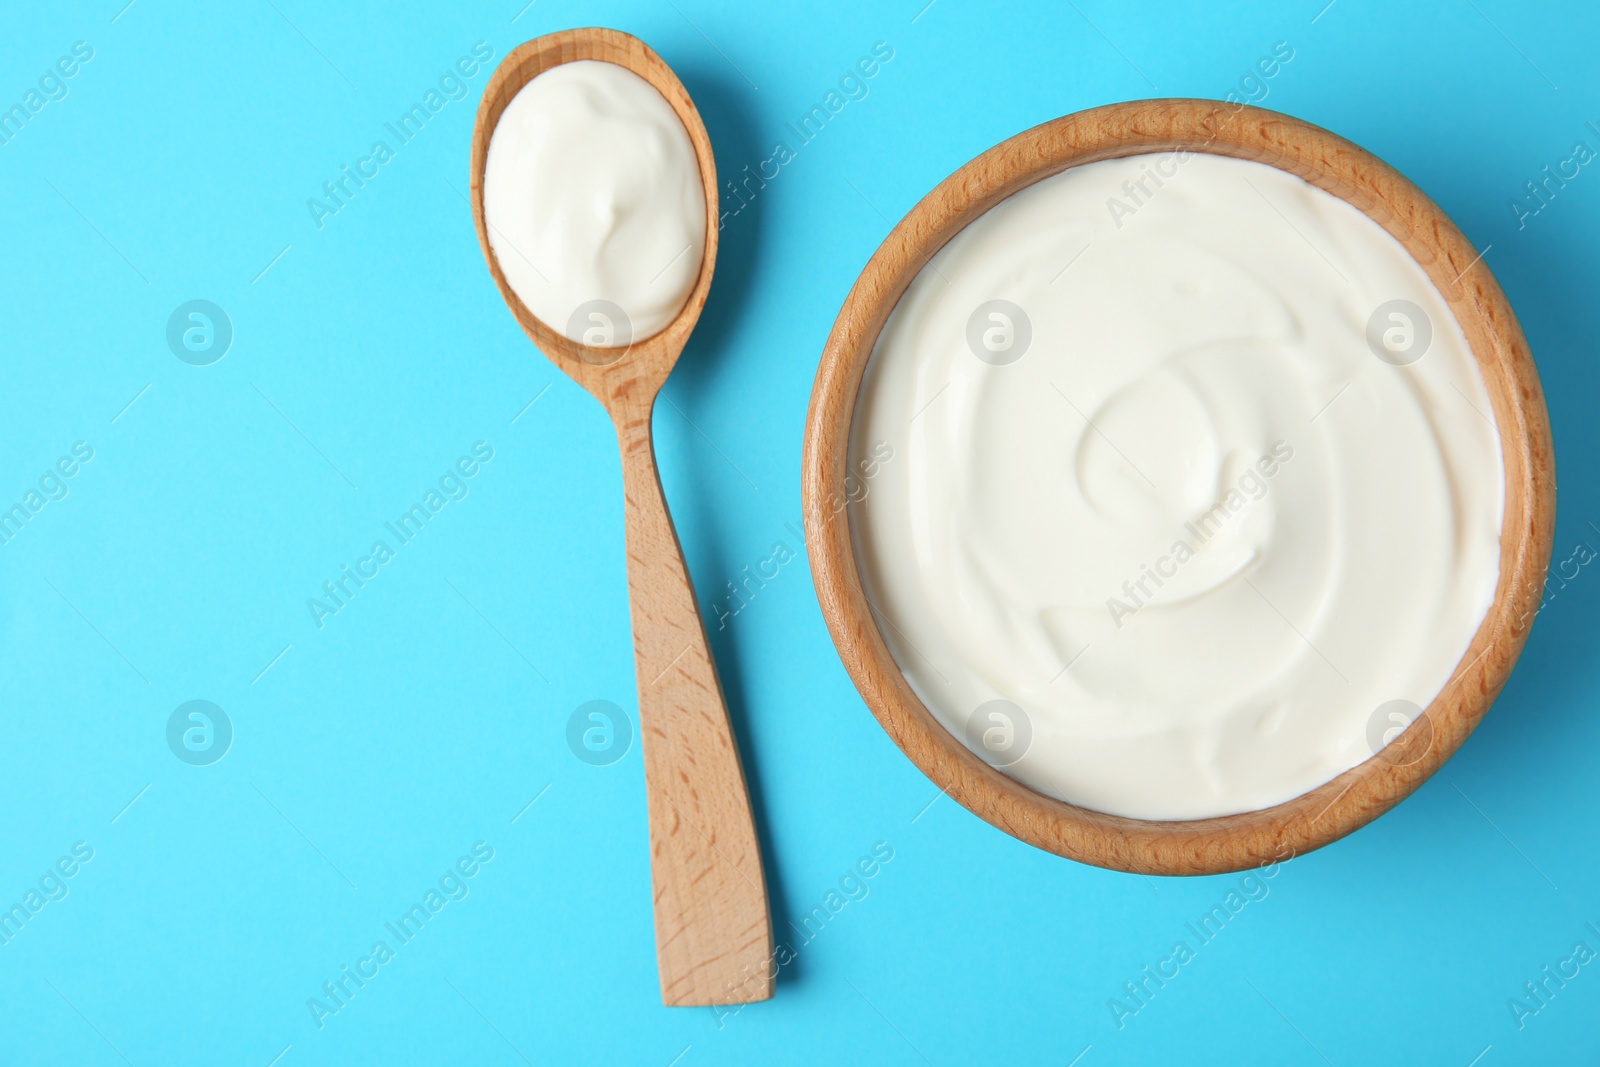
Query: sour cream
x=1194 y=478
x=594 y=204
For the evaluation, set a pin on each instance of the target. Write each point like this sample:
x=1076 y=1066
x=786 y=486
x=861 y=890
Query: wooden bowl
x=1361 y=794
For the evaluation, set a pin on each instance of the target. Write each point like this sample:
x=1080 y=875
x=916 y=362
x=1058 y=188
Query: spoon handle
x=713 y=933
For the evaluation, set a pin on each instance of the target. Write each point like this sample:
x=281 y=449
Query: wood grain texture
x=713 y=933
x=1351 y=800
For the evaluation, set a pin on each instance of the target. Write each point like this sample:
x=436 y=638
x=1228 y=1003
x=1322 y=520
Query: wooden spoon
x=713 y=934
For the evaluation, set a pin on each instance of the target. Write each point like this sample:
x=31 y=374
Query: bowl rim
x=1455 y=266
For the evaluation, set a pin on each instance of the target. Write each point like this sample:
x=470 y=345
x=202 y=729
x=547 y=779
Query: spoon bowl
x=713 y=932
x=612 y=375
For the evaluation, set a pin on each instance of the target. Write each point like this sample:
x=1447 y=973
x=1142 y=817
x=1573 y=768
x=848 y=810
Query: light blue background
x=428 y=713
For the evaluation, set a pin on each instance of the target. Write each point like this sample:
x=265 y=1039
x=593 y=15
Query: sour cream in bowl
x=1217 y=493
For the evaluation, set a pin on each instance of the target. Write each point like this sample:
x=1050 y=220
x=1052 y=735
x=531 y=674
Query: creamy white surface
x=591 y=191
x=1225 y=315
